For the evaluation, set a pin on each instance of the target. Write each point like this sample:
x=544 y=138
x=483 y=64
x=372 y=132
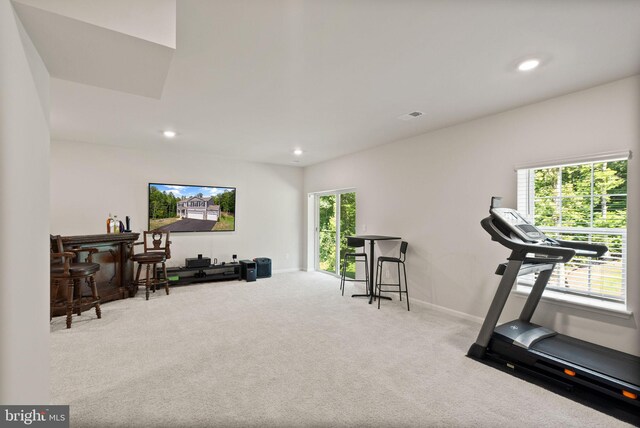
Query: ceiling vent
x=411 y=116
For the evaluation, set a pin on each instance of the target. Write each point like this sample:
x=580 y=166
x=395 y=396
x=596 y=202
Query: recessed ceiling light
x=169 y=134
x=528 y=64
x=297 y=152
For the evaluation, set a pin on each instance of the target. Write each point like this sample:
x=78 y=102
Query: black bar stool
x=398 y=261
x=358 y=257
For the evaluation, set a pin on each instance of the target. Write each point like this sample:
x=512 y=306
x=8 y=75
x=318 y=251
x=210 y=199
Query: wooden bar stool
x=156 y=251
x=66 y=269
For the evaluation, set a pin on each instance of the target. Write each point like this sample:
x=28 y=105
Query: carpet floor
x=287 y=351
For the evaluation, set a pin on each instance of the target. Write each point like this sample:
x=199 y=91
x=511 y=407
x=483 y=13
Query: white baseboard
x=287 y=270
x=432 y=306
x=445 y=310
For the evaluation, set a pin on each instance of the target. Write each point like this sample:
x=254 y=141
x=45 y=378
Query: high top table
x=371 y=286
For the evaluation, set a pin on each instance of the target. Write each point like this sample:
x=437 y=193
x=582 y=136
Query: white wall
x=89 y=181
x=434 y=189
x=24 y=196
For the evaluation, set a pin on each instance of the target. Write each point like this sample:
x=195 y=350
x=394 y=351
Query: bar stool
x=156 y=251
x=66 y=269
x=398 y=261
x=358 y=257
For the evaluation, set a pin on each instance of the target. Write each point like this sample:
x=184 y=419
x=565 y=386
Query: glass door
x=347 y=228
x=327 y=214
x=336 y=219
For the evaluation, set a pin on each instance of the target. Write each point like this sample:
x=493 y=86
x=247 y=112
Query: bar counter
x=115 y=277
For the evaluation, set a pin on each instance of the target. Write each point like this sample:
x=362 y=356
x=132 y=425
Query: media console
x=190 y=275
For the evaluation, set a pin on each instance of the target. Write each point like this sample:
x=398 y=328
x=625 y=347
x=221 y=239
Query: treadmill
x=535 y=349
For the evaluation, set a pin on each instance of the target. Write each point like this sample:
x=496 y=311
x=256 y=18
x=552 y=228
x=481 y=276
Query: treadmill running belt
x=616 y=364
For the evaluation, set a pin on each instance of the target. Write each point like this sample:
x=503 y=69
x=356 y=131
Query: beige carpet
x=287 y=351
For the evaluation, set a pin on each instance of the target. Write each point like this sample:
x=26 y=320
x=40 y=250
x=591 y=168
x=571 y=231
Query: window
x=583 y=201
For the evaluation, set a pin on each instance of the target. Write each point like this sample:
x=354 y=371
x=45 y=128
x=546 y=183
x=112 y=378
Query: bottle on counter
x=116 y=224
x=109 y=223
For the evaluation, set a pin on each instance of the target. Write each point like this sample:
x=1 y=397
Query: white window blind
x=583 y=201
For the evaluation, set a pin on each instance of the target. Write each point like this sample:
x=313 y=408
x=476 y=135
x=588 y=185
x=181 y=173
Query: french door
x=335 y=220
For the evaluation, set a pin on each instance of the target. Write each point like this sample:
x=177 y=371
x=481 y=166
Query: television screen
x=188 y=208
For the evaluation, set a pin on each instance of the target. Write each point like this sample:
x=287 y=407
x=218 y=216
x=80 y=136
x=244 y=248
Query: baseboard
x=432 y=306
x=287 y=270
x=446 y=310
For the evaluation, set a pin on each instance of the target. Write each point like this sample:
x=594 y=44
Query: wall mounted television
x=191 y=208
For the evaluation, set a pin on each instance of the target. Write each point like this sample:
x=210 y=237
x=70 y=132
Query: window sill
x=589 y=304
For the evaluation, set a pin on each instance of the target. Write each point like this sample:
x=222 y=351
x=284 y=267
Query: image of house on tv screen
x=183 y=208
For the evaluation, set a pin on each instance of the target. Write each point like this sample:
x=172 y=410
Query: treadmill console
x=516 y=224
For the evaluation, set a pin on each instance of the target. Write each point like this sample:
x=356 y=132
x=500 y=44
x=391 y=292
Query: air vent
x=411 y=116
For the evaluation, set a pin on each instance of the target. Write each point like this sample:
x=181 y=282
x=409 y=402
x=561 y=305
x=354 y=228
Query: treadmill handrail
x=592 y=250
x=520 y=249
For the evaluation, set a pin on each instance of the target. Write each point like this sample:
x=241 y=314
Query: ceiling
x=255 y=79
